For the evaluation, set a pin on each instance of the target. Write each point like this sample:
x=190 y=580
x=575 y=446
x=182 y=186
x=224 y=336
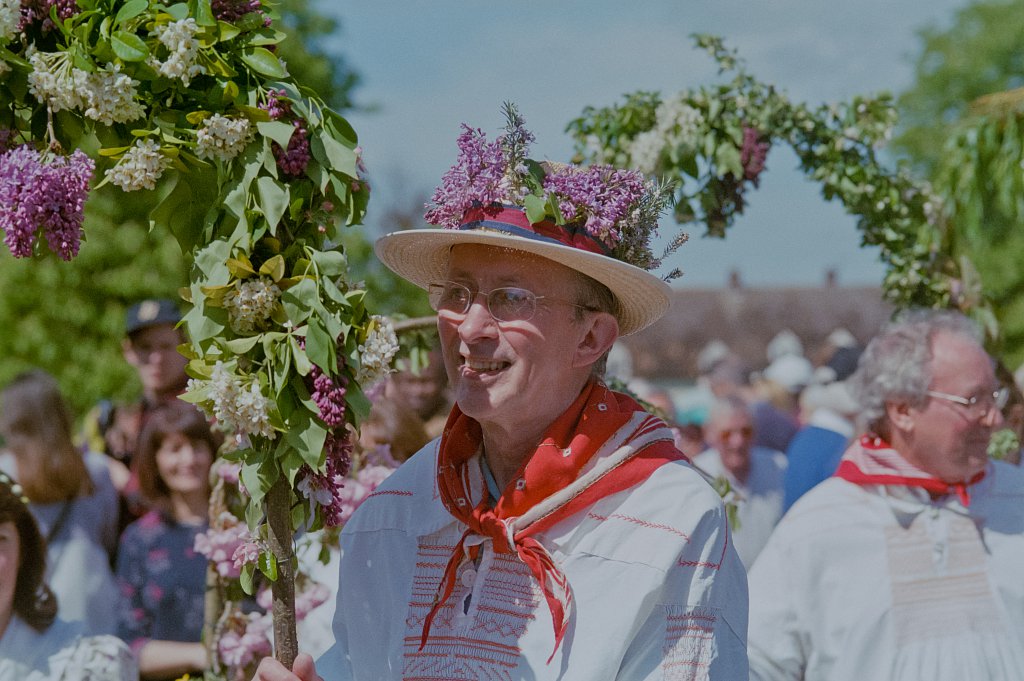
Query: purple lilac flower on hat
x=43 y=192
x=620 y=208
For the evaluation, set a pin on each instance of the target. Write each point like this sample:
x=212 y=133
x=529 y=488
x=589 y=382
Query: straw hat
x=597 y=220
x=421 y=256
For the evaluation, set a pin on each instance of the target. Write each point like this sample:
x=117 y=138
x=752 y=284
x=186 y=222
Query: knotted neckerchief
x=872 y=461
x=602 y=444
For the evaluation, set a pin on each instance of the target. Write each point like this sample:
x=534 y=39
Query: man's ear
x=600 y=332
x=898 y=415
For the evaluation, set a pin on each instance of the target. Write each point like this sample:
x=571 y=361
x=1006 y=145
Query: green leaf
x=535 y=208
x=227 y=31
x=182 y=211
x=178 y=11
x=268 y=565
x=240 y=346
x=333 y=154
x=320 y=347
x=273 y=200
x=306 y=436
x=331 y=263
x=247 y=578
x=299 y=301
x=278 y=131
x=130 y=10
x=202 y=13
x=273 y=267
x=263 y=61
x=302 y=363
x=129 y=46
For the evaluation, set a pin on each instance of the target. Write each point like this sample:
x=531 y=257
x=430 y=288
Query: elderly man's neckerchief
x=872 y=461
x=602 y=444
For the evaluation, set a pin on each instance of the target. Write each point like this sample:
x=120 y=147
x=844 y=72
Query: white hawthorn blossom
x=250 y=304
x=222 y=137
x=179 y=39
x=140 y=167
x=376 y=353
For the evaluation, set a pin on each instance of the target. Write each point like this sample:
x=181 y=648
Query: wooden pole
x=278 y=506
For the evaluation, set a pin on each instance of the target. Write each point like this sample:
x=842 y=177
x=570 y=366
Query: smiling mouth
x=483 y=365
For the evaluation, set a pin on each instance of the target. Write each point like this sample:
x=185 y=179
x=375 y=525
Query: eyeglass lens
x=506 y=304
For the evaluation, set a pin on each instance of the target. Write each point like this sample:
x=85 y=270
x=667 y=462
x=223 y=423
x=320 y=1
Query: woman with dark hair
x=70 y=495
x=162 y=578
x=34 y=644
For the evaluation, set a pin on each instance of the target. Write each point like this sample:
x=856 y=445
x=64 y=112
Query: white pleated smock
x=882 y=582
x=658 y=591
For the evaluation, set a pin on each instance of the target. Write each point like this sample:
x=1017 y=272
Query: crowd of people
x=835 y=519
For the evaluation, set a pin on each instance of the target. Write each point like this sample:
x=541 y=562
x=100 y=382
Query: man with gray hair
x=906 y=563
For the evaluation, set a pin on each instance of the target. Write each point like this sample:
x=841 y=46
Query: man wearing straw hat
x=553 y=531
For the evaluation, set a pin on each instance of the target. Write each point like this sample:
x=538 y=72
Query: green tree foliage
x=68 y=317
x=963 y=125
x=978 y=55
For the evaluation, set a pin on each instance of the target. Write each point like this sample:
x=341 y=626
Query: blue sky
x=428 y=65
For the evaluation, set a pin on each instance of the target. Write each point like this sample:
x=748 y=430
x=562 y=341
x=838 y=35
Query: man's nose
x=477 y=320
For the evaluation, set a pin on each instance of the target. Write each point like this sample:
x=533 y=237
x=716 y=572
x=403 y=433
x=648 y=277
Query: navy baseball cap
x=147 y=313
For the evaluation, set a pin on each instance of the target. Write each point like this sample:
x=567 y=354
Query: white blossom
x=107 y=96
x=249 y=305
x=376 y=353
x=222 y=137
x=179 y=39
x=678 y=122
x=645 y=150
x=239 y=408
x=140 y=167
x=54 y=82
x=110 y=96
x=10 y=14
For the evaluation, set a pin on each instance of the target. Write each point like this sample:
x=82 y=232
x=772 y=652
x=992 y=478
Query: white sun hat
x=421 y=256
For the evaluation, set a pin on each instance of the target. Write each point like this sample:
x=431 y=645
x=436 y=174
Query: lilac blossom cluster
x=329 y=395
x=476 y=179
x=39 y=10
x=619 y=208
x=43 y=192
x=293 y=160
x=753 y=154
x=599 y=197
x=233 y=10
x=326 y=489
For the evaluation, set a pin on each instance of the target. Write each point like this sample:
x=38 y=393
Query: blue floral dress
x=162 y=581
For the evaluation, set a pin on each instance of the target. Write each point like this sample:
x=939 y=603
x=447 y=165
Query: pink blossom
x=220 y=546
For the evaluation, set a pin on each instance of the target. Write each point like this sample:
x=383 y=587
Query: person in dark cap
x=150 y=346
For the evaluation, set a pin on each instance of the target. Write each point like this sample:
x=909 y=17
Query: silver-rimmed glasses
x=978 y=405
x=505 y=304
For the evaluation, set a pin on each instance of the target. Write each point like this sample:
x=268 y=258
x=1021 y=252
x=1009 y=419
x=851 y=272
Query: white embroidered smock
x=658 y=590
x=882 y=582
x=63 y=653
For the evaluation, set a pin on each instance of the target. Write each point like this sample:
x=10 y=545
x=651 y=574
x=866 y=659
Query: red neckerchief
x=872 y=461
x=562 y=477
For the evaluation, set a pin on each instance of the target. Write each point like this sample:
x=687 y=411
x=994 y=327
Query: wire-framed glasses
x=978 y=405
x=505 y=304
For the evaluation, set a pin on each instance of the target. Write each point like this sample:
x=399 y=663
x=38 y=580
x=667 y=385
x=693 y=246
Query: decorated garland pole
x=254 y=176
x=712 y=142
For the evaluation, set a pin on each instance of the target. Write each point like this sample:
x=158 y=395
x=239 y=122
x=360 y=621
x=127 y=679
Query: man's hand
x=272 y=670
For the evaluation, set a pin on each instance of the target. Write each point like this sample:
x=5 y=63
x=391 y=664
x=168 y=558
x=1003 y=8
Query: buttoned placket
x=472 y=575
